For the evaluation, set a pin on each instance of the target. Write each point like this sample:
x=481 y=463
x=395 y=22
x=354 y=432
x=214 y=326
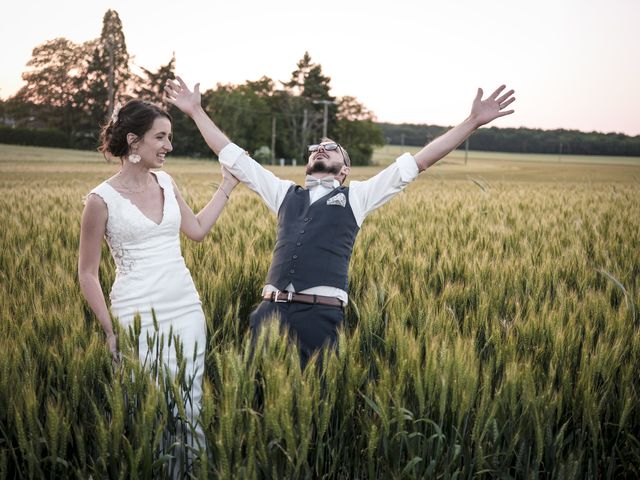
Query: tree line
x=72 y=89
x=521 y=140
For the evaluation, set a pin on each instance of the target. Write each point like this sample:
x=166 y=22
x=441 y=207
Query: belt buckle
x=287 y=300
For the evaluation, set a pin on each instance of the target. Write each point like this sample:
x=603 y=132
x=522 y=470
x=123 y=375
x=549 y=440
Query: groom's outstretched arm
x=270 y=188
x=482 y=112
x=178 y=94
x=370 y=194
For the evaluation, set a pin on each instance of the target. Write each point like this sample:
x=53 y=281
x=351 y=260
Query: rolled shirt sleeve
x=229 y=154
x=257 y=178
x=370 y=194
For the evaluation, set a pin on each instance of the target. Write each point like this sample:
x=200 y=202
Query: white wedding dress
x=151 y=275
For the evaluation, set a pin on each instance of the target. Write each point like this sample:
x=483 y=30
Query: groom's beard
x=320 y=166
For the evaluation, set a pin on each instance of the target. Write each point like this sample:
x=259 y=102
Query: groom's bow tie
x=311 y=181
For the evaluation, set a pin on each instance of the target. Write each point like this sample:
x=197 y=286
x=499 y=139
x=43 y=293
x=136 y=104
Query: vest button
x=298 y=244
x=292 y=271
x=295 y=257
x=301 y=231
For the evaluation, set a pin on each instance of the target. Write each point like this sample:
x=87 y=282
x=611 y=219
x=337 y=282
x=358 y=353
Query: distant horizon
x=505 y=127
x=571 y=63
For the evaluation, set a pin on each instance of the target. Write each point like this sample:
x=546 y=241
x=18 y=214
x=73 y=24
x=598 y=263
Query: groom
x=307 y=282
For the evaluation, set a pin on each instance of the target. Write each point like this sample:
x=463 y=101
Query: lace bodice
x=134 y=239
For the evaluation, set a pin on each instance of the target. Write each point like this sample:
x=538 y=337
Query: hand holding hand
x=485 y=111
x=177 y=93
x=228 y=179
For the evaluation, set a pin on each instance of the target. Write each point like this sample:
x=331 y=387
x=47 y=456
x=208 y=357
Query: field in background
x=493 y=330
x=490 y=166
x=388 y=153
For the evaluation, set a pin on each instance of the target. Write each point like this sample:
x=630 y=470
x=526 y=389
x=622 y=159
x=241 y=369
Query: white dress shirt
x=364 y=197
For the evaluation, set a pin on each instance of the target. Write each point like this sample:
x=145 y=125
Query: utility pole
x=273 y=140
x=560 y=154
x=466 y=150
x=304 y=133
x=326 y=104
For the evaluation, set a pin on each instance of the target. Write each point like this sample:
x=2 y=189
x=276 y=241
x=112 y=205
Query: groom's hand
x=485 y=111
x=177 y=93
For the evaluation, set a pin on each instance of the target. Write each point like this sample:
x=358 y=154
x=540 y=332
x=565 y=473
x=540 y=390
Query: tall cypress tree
x=109 y=72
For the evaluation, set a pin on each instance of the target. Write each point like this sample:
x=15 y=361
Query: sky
x=574 y=64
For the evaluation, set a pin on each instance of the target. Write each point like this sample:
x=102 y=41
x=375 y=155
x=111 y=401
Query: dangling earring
x=134 y=158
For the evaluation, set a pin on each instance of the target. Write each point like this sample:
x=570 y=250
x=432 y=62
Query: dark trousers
x=310 y=326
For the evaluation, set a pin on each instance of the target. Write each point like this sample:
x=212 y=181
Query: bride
x=140 y=212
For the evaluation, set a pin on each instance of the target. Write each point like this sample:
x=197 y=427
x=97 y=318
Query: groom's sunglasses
x=328 y=147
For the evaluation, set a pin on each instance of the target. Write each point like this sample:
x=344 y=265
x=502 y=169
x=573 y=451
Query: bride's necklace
x=128 y=189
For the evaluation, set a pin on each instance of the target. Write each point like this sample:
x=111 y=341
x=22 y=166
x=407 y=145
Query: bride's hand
x=112 y=343
x=228 y=179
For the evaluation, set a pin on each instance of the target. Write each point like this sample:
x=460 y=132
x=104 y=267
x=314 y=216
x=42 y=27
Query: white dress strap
x=104 y=191
x=164 y=180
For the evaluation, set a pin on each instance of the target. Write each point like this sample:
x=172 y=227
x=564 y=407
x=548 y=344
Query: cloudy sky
x=573 y=63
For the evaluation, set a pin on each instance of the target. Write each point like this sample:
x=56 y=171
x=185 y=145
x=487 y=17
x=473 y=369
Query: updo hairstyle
x=137 y=117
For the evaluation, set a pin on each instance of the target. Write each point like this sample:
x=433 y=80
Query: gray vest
x=314 y=242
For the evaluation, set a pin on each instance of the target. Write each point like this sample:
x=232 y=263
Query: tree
x=151 y=86
x=310 y=88
x=357 y=131
x=73 y=87
x=308 y=81
x=57 y=69
x=244 y=111
x=108 y=73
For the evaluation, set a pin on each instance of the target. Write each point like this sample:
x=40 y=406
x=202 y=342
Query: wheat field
x=492 y=331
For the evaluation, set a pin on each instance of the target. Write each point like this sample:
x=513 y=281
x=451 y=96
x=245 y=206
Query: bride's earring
x=134 y=158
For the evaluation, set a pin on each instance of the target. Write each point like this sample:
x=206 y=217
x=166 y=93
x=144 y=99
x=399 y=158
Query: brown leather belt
x=291 y=297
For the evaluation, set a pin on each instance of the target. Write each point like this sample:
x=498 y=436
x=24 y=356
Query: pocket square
x=338 y=199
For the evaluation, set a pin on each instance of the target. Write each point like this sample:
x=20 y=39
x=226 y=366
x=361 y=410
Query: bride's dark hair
x=137 y=117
